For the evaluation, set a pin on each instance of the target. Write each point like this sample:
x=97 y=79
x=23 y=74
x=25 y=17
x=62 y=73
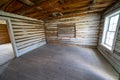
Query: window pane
x=109 y=38
x=111 y=27
x=110 y=30
x=111 y=20
x=116 y=19
x=113 y=23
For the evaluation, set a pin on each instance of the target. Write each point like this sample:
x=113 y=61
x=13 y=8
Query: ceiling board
x=50 y=9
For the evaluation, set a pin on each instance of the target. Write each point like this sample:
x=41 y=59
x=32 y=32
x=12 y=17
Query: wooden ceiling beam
x=34 y=6
x=75 y=13
x=112 y=4
x=61 y=2
x=31 y=12
x=75 y=3
x=32 y=15
x=97 y=5
x=6 y=5
x=92 y=2
x=3 y=2
x=84 y=11
x=79 y=11
x=101 y=4
x=41 y=17
x=68 y=16
x=25 y=10
x=68 y=5
x=81 y=7
x=75 y=9
x=46 y=8
x=49 y=10
x=27 y=2
x=81 y=14
x=11 y=5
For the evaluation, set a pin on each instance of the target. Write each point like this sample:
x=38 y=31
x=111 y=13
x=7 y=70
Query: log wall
x=28 y=33
x=86 y=30
x=4 y=35
x=112 y=57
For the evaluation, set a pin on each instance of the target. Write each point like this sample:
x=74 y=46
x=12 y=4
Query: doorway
x=6 y=49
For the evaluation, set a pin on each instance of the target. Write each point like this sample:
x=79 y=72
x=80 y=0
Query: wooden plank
x=28 y=33
x=25 y=36
x=25 y=29
x=5 y=14
x=30 y=44
x=26 y=39
x=4 y=35
x=86 y=27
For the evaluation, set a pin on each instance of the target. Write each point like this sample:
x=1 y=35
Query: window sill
x=108 y=49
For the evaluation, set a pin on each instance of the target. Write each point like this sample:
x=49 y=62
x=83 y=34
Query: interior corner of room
x=59 y=40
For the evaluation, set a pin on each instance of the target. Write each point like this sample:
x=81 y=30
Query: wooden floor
x=57 y=62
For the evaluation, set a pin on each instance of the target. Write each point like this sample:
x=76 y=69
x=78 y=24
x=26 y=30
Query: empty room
x=59 y=39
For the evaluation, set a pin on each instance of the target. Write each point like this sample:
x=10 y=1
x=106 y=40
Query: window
x=110 y=28
x=66 y=30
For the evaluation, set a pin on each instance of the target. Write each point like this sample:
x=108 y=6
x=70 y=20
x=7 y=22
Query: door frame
x=11 y=35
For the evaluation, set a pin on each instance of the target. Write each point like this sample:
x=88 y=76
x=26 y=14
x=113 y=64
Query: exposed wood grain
x=44 y=9
x=28 y=32
x=66 y=30
x=4 y=35
x=86 y=30
x=27 y=2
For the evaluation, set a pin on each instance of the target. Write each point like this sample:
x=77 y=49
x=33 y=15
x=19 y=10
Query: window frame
x=11 y=35
x=65 y=28
x=106 y=27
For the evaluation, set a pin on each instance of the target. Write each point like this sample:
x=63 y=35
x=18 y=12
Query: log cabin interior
x=60 y=39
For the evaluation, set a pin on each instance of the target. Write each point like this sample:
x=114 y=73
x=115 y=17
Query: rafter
x=43 y=9
x=84 y=11
x=113 y=3
x=34 y=6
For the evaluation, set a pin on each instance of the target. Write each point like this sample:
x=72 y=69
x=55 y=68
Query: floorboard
x=58 y=62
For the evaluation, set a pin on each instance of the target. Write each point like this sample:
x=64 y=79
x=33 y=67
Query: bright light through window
x=110 y=27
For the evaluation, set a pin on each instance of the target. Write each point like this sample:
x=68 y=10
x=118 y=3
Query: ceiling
x=51 y=9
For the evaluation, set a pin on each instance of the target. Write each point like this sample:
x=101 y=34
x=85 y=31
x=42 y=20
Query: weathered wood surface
x=28 y=32
x=58 y=62
x=50 y=9
x=4 y=35
x=66 y=30
x=113 y=57
x=86 y=30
